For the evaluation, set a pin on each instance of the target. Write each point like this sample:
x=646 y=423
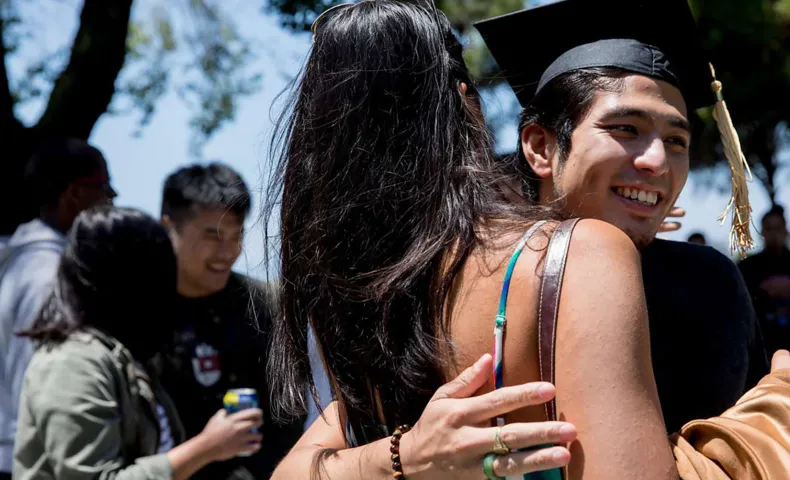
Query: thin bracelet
x=397 y=467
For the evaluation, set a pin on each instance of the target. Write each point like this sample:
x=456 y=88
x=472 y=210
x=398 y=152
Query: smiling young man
x=629 y=159
x=222 y=318
x=608 y=95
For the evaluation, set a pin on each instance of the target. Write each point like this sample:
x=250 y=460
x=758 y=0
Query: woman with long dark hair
x=90 y=405
x=400 y=240
x=388 y=189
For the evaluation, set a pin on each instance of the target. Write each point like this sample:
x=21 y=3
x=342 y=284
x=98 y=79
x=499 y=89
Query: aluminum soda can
x=238 y=399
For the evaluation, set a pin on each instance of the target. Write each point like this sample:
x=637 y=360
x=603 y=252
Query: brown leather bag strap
x=548 y=308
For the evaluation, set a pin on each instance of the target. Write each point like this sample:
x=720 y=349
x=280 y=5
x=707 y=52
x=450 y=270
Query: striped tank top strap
x=501 y=319
x=499 y=336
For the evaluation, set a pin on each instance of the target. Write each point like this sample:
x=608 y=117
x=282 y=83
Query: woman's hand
x=453 y=436
x=231 y=435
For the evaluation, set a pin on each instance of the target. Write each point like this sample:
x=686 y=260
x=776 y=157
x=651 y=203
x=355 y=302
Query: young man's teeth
x=650 y=198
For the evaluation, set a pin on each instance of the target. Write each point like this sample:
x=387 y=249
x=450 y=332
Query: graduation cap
x=655 y=38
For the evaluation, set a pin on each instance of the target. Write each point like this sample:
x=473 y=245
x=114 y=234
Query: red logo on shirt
x=206 y=365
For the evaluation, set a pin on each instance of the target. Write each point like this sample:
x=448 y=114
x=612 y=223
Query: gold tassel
x=740 y=234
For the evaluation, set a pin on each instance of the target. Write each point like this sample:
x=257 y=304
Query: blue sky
x=139 y=165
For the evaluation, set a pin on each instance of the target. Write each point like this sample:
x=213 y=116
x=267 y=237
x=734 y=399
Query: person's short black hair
x=776 y=210
x=56 y=165
x=194 y=187
x=697 y=236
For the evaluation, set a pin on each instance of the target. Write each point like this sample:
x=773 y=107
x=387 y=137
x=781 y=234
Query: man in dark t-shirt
x=217 y=346
x=222 y=319
x=767 y=276
x=704 y=337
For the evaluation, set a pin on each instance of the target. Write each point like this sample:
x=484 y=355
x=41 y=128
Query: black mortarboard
x=656 y=38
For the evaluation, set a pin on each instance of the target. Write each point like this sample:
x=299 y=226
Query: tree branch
x=83 y=91
x=8 y=122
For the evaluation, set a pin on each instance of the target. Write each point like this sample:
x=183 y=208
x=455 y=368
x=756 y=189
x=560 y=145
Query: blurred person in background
x=91 y=406
x=65 y=177
x=697 y=238
x=767 y=276
x=222 y=318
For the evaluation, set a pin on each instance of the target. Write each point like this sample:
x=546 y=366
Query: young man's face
x=629 y=158
x=94 y=189
x=207 y=245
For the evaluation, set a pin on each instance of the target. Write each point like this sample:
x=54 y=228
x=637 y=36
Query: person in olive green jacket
x=91 y=406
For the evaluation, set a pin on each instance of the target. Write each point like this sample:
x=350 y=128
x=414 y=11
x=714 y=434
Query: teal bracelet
x=488 y=467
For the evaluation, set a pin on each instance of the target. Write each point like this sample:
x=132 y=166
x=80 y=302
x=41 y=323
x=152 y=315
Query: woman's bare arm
x=447 y=443
x=324 y=440
x=604 y=374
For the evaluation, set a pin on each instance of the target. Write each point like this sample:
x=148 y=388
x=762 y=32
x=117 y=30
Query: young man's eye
x=679 y=141
x=622 y=128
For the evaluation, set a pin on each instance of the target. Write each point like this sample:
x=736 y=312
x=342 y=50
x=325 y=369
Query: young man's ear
x=538 y=146
x=171 y=229
x=72 y=195
x=169 y=224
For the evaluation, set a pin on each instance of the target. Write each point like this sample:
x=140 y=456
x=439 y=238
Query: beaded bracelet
x=397 y=468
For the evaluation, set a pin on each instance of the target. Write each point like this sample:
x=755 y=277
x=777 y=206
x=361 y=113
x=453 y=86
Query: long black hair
x=388 y=182
x=118 y=275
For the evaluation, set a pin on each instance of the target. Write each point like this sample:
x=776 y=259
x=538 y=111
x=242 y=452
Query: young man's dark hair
x=57 y=164
x=207 y=186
